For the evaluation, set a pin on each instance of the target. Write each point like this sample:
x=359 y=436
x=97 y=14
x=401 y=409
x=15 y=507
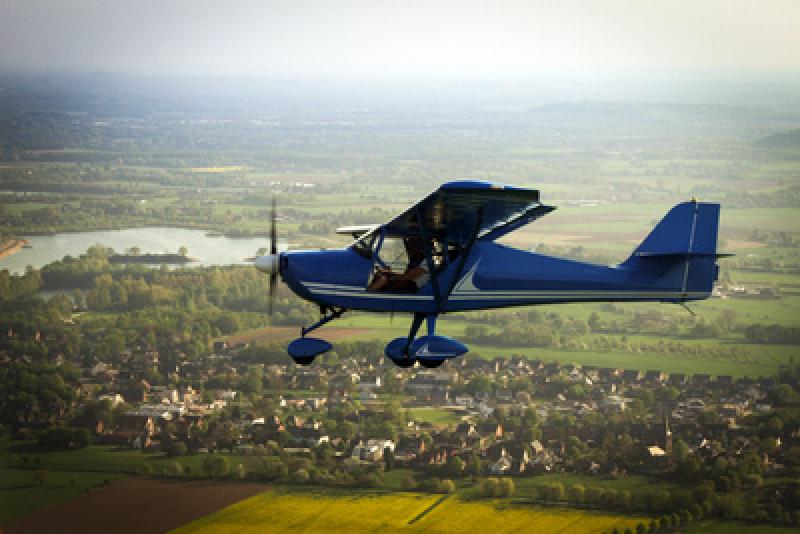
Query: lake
x=208 y=250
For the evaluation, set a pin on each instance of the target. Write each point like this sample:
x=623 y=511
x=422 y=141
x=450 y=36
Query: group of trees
x=774 y=333
x=35 y=394
x=174 y=312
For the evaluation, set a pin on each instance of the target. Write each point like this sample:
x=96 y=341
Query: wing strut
x=462 y=260
x=428 y=245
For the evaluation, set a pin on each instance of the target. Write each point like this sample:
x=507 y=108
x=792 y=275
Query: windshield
x=364 y=244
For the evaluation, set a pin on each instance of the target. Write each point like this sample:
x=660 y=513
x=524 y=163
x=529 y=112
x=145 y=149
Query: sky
x=384 y=40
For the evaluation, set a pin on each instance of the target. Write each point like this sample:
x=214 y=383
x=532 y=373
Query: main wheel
x=405 y=363
x=303 y=360
x=430 y=364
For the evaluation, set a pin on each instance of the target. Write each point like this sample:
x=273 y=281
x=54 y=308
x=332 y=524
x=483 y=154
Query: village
x=508 y=416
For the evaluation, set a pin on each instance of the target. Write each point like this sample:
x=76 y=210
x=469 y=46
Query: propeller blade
x=273 y=238
x=273 y=249
x=273 y=278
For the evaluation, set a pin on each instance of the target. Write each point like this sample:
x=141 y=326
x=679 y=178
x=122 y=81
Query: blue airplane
x=440 y=256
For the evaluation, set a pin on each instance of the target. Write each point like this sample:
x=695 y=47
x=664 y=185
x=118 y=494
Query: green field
x=436 y=416
x=275 y=511
x=525 y=486
x=71 y=473
x=21 y=494
x=726 y=527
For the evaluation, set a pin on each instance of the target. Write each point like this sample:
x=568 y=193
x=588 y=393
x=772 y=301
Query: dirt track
x=135 y=506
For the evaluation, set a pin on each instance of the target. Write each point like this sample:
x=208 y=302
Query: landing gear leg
x=304 y=349
x=407 y=360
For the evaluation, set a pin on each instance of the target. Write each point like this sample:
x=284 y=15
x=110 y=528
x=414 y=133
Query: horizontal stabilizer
x=708 y=254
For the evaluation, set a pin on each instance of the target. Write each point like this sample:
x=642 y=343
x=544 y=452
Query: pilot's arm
x=414 y=273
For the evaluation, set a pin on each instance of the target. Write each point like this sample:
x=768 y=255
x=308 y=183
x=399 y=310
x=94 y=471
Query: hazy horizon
x=384 y=41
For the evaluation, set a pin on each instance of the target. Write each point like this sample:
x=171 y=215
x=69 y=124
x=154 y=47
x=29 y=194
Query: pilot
x=415 y=276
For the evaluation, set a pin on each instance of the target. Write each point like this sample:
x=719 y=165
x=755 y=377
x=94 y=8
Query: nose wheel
x=304 y=349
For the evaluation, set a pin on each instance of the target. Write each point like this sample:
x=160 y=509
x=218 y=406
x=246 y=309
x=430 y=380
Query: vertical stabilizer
x=681 y=251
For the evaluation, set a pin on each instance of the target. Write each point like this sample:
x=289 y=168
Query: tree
x=594 y=322
x=216 y=465
x=474 y=465
x=506 y=487
x=301 y=475
x=40 y=476
x=489 y=487
x=554 y=491
x=479 y=384
x=173 y=469
x=727 y=319
x=447 y=486
x=388 y=458
x=680 y=450
x=455 y=466
x=577 y=492
x=177 y=448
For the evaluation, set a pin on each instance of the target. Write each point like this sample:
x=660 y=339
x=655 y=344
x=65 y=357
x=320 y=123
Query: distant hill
x=788 y=139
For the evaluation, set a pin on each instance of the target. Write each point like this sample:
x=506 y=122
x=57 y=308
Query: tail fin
x=680 y=253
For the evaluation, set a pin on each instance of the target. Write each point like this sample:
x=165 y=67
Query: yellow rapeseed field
x=275 y=511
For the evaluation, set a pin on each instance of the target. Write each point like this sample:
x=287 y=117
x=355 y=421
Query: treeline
x=512 y=336
x=774 y=333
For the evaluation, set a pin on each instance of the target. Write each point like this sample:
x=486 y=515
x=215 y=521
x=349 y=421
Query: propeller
x=273 y=250
x=270 y=263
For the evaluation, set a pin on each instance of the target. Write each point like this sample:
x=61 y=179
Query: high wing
x=467 y=210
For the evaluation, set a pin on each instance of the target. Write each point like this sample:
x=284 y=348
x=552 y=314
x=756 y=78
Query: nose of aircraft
x=268 y=263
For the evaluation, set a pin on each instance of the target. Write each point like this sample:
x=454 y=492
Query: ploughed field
x=134 y=506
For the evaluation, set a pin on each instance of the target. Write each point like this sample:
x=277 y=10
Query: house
x=724 y=380
x=465 y=429
x=308 y=436
x=500 y=466
x=503 y=395
x=656 y=457
x=632 y=375
x=613 y=404
x=524 y=397
x=372 y=450
x=113 y=398
x=676 y=379
x=701 y=379
x=491 y=429
x=607 y=374
x=696 y=405
x=138 y=430
x=655 y=376
x=431 y=386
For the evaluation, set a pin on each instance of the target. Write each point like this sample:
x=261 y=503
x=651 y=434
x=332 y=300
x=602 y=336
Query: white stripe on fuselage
x=470 y=292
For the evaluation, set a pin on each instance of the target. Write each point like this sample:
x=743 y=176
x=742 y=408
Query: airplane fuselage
x=493 y=276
